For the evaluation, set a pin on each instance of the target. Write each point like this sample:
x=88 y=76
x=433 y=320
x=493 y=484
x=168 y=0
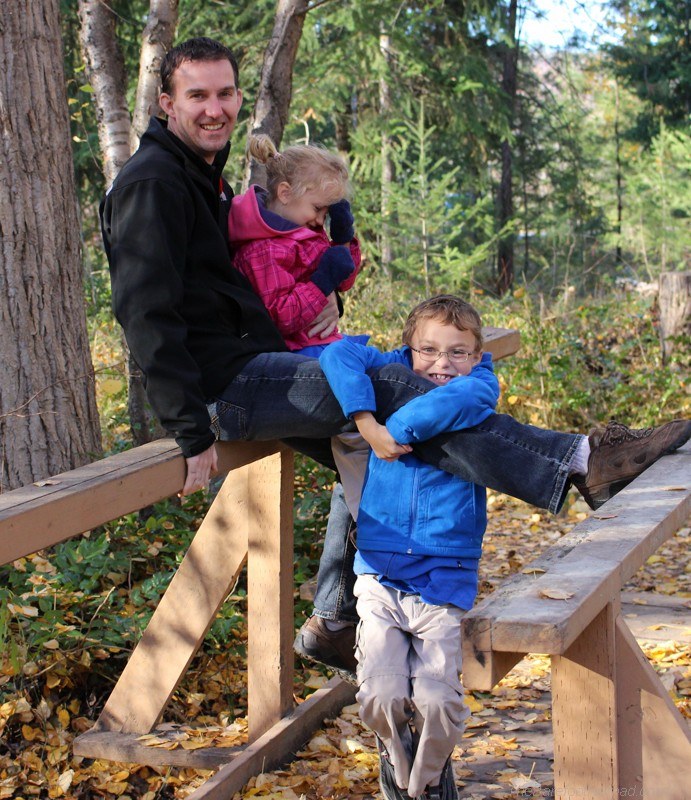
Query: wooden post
x=584 y=714
x=654 y=740
x=270 y=623
x=185 y=612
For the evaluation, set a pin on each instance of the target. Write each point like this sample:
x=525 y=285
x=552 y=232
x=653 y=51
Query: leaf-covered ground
x=505 y=752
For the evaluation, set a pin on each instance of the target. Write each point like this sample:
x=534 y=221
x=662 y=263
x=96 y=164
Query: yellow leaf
x=64 y=717
x=555 y=594
x=533 y=571
x=473 y=703
x=111 y=386
x=52 y=644
x=512 y=400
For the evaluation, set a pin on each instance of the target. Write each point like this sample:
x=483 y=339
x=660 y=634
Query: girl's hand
x=378 y=437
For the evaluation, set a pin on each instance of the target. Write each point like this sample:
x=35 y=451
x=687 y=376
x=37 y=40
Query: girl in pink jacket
x=280 y=244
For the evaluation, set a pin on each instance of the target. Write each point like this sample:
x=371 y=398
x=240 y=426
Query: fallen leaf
x=533 y=571
x=555 y=594
x=47 y=482
x=605 y=516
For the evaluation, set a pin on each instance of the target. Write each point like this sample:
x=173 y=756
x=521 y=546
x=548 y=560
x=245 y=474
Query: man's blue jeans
x=281 y=395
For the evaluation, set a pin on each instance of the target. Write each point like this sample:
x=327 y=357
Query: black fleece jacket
x=190 y=319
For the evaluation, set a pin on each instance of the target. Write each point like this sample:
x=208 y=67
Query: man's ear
x=284 y=194
x=165 y=101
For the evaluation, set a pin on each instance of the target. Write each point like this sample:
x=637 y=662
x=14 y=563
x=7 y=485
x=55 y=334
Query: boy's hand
x=378 y=437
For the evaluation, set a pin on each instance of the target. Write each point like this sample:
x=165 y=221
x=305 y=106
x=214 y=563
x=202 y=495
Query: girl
x=279 y=240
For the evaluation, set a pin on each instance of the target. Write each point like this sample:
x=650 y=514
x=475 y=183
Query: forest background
x=548 y=186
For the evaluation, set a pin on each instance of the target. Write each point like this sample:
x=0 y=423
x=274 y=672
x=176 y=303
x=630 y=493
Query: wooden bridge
x=614 y=724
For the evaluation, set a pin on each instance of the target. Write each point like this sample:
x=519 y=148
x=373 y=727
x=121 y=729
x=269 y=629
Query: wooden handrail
x=615 y=727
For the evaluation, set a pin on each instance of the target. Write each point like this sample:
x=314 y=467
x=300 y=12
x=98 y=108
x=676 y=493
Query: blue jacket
x=409 y=506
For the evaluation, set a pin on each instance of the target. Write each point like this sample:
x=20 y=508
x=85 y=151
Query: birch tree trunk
x=48 y=416
x=271 y=109
x=505 y=255
x=105 y=70
x=386 y=160
x=157 y=39
x=119 y=138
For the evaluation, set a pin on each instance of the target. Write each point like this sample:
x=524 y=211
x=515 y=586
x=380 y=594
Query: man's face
x=203 y=106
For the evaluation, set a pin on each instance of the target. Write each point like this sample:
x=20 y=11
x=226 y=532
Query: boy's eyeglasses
x=430 y=354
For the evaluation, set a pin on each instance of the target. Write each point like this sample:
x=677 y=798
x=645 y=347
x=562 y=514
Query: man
x=216 y=367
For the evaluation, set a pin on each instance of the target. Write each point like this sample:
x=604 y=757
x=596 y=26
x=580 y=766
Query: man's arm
x=145 y=228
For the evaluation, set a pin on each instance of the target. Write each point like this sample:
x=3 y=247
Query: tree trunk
x=675 y=313
x=505 y=255
x=270 y=113
x=157 y=39
x=118 y=137
x=105 y=70
x=386 y=160
x=48 y=415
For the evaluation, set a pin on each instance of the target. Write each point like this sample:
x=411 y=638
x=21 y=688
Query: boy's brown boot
x=619 y=454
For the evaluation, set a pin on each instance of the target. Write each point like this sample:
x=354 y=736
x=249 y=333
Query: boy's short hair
x=201 y=48
x=449 y=310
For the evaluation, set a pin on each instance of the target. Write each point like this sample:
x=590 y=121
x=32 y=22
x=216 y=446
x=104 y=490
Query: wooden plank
x=500 y=342
x=35 y=517
x=185 y=612
x=591 y=562
x=277 y=745
x=653 y=738
x=270 y=620
x=584 y=718
x=126 y=747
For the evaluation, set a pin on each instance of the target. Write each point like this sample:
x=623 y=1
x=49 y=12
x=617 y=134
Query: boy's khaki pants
x=409 y=660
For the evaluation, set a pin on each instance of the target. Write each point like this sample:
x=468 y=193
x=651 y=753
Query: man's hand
x=325 y=323
x=378 y=437
x=200 y=468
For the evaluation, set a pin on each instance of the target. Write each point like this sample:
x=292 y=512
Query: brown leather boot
x=619 y=454
x=334 y=649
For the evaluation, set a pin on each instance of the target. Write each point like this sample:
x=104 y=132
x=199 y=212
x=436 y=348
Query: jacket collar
x=158 y=131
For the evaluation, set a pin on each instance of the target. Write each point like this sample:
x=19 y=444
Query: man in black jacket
x=215 y=366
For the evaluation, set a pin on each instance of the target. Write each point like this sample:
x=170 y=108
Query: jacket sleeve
x=269 y=266
x=462 y=403
x=345 y=364
x=146 y=254
x=356 y=254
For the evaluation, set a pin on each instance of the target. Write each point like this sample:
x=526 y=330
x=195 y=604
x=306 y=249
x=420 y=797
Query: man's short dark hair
x=199 y=49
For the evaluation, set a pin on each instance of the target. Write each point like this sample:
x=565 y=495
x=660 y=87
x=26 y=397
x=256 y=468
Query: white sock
x=579 y=465
x=336 y=624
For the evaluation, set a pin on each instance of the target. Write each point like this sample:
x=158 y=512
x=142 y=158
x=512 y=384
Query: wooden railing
x=616 y=731
x=249 y=522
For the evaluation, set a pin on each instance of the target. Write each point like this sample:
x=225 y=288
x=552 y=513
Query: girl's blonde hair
x=303 y=167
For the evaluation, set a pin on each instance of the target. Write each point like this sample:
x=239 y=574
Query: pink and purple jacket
x=278 y=257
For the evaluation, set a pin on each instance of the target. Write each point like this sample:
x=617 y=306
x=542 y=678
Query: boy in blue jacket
x=419 y=541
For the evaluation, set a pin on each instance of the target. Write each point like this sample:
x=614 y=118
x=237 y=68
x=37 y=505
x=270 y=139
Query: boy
x=419 y=541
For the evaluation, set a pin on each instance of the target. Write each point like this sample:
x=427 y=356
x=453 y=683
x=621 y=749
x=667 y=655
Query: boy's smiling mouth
x=440 y=377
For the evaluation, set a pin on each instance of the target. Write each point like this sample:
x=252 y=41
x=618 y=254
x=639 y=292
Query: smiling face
x=203 y=105
x=433 y=335
x=308 y=209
